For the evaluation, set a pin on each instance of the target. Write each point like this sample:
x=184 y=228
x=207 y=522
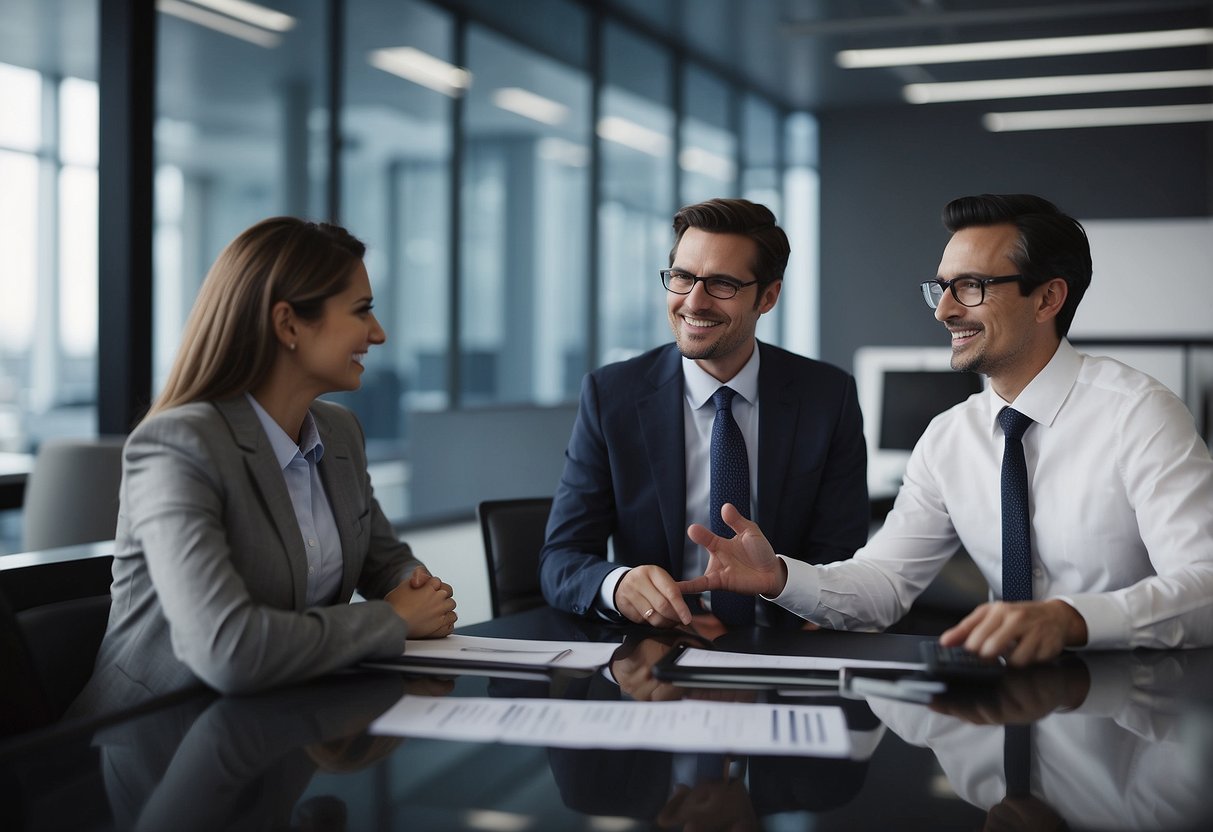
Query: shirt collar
x=284 y=448
x=1044 y=395
x=700 y=385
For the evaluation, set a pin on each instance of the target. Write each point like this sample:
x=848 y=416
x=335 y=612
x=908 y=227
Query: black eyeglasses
x=721 y=288
x=968 y=291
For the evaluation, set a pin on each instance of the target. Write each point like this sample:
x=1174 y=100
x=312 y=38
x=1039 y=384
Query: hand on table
x=745 y=564
x=1023 y=631
x=648 y=595
x=426 y=603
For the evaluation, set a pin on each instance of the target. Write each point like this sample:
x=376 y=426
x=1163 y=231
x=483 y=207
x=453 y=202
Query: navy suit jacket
x=625 y=471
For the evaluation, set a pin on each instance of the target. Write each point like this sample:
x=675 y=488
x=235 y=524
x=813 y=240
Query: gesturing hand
x=745 y=563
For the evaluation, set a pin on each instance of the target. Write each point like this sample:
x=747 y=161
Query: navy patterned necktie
x=1016 y=527
x=730 y=484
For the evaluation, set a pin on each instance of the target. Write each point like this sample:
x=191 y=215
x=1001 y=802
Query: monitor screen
x=912 y=398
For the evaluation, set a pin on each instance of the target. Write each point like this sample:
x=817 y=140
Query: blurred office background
x=513 y=166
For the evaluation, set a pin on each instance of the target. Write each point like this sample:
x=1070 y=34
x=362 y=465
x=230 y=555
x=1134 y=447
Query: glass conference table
x=1117 y=741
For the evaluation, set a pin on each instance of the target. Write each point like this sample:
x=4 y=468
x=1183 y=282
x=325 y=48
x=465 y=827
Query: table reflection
x=1117 y=741
x=686 y=790
x=244 y=762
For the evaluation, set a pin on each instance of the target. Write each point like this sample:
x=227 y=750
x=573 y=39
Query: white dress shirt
x=1120 y=498
x=1118 y=761
x=698 y=414
x=321 y=541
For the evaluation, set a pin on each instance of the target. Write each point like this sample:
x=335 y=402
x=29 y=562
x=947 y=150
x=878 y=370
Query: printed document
x=686 y=725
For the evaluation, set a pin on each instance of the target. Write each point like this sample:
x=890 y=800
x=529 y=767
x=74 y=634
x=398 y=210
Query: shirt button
x=311 y=570
x=1037 y=572
x=311 y=541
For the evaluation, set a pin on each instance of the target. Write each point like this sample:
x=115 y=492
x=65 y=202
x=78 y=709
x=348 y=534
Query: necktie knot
x=723 y=398
x=1013 y=422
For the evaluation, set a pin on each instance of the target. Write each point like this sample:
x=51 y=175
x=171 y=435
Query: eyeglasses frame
x=665 y=275
x=950 y=285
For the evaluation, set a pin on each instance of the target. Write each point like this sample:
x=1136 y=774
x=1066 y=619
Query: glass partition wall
x=513 y=174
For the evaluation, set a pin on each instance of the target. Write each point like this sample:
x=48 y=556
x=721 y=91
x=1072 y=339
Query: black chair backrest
x=63 y=639
x=54 y=608
x=513 y=535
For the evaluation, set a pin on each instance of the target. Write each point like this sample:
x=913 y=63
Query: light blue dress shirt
x=299 y=464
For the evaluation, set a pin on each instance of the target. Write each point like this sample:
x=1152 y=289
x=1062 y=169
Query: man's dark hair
x=1051 y=244
x=739 y=216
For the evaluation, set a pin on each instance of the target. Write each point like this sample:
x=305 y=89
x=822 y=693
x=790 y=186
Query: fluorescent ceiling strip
x=997 y=50
x=250 y=13
x=219 y=23
x=1101 y=117
x=697 y=160
x=1055 y=85
x=530 y=105
x=630 y=134
x=422 y=68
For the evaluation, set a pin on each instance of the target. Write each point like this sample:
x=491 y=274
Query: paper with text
x=685 y=725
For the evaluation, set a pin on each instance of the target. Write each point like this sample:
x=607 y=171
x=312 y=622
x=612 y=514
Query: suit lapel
x=661 y=425
x=263 y=468
x=339 y=476
x=778 y=412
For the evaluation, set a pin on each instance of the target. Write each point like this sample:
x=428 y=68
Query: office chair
x=53 y=615
x=513 y=535
x=72 y=493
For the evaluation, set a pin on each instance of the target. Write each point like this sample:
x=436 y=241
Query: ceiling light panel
x=530 y=105
x=271 y=19
x=1026 y=48
x=1096 y=117
x=219 y=23
x=1055 y=85
x=422 y=68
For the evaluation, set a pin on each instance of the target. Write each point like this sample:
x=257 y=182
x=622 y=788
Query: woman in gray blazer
x=246 y=517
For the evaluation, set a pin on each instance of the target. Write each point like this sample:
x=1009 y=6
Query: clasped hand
x=426 y=603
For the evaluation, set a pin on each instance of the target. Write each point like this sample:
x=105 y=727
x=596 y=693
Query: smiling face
x=1009 y=337
x=331 y=350
x=718 y=334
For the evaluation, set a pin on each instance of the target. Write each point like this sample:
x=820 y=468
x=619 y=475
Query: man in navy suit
x=637 y=468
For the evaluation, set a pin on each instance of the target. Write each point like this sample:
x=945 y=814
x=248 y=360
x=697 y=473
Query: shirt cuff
x=1107 y=627
x=801 y=593
x=606 y=593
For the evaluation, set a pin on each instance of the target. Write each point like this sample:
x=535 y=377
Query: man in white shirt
x=1119 y=483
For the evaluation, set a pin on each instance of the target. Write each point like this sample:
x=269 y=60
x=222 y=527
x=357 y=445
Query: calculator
x=959 y=664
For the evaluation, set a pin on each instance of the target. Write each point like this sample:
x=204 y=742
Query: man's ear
x=1053 y=296
x=286 y=329
x=770 y=294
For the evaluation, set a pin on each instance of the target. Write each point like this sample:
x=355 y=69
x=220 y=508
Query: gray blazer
x=210 y=573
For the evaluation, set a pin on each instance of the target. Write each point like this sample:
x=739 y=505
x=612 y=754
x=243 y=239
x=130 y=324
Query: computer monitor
x=901 y=389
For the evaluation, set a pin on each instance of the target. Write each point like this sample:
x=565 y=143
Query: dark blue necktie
x=1016 y=528
x=730 y=484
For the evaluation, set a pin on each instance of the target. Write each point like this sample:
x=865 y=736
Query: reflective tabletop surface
x=1105 y=741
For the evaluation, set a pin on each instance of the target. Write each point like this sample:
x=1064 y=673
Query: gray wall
x=886 y=173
